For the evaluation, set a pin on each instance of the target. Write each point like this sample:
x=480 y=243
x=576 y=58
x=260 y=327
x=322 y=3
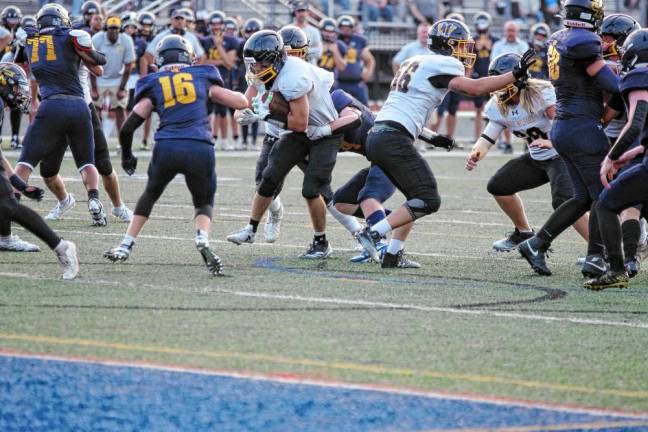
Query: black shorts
x=450 y=104
x=394 y=152
x=627 y=190
x=479 y=101
x=216 y=109
x=525 y=173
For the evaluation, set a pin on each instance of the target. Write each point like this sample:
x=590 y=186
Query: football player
x=178 y=93
x=360 y=63
x=306 y=88
x=580 y=75
x=146 y=21
x=526 y=107
x=417 y=89
x=333 y=58
x=54 y=53
x=629 y=188
x=540 y=33
x=16 y=94
x=11 y=18
x=250 y=27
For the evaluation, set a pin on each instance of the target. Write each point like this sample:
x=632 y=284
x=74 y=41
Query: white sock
x=202 y=237
x=61 y=247
x=128 y=241
x=349 y=222
x=382 y=227
x=394 y=246
x=275 y=205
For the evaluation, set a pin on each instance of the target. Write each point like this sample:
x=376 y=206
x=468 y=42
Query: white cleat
x=15 y=244
x=272 y=226
x=97 y=214
x=61 y=207
x=69 y=261
x=122 y=213
x=245 y=235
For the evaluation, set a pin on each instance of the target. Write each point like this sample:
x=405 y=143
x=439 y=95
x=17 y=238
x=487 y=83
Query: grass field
x=467 y=322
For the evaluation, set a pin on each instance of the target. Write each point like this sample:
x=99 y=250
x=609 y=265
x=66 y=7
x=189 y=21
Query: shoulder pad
x=582 y=45
x=81 y=39
x=636 y=79
x=443 y=65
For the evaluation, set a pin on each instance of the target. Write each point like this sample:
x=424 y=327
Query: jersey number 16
x=178 y=88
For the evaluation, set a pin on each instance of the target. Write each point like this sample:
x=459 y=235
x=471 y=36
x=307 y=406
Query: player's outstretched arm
x=228 y=98
x=489 y=136
x=349 y=118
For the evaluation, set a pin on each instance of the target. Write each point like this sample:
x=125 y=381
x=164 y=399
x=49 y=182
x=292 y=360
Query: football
x=279 y=106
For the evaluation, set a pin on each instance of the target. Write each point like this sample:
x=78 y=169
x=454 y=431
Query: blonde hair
x=530 y=96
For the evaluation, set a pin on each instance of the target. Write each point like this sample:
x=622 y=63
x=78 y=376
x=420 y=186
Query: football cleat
x=15 y=142
x=369 y=239
x=118 y=254
x=144 y=145
x=632 y=266
x=318 y=250
x=97 y=214
x=535 y=255
x=69 y=261
x=245 y=235
x=272 y=226
x=14 y=243
x=61 y=207
x=594 y=266
x=609 y=279
x=398 y=261
x=122 y=213
x=511 y=241
x=212 y=261
x=363 y=257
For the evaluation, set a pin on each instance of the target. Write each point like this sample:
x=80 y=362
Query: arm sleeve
x=126 y=132
x=637 y=123
x=616 y=103
x=607 y=80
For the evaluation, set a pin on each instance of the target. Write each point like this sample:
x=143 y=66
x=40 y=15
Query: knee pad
x=267 y=188
x=494 y=187
x=205 y=210
x=104 y=166
x=419 y=208
x=315 y=185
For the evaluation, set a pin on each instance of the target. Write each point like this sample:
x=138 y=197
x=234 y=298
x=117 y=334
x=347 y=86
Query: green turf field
x=467 y=321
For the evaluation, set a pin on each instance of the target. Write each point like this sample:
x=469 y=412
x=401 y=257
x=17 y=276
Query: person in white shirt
x=417 y=47
x=511 y=43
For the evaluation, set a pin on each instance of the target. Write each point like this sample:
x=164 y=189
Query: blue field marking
x=39 y=394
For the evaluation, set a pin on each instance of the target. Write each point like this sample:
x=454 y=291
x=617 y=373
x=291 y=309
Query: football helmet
x=52 y=15
x=328 y=29
x=540 y=32
x=174 y=49
x=10 y=16
x=346 y=21
x=14 y=87
x=586 y=14
x=90 y=8
x=295 y=41
x=28 y=21
x=252 y=26
x=482 y=21
x=450 y=37
x=231 y=24
x=216 y=17
x=634 y=50
x=618 y=27
x=503 y=64
x=264 y=56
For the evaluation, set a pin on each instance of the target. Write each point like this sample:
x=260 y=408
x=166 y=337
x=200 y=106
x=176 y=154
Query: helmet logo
x=446 y=28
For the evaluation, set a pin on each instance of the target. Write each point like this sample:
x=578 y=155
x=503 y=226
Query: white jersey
x=413 y=98
x=298 y=78
x=522 y=123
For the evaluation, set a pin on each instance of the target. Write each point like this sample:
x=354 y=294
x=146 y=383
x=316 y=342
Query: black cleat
x=318 y=250
x=212 y=261
x=594 y=266
x=609 y=279
x=369 y=241
x=535 y=255
x=632 y=266
x=398 y=261
x=511 y=241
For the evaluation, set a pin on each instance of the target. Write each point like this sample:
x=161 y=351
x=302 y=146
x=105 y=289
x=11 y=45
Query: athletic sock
x=275 y=205
x=610 y=230
x=376 y=217
x=202 y=237
x=382 y=227
x=128 y=241
x=254 y=225
x=595 y=242
x=631 y=230
x=319 y=237
x=394 y=246
x=350 y=223
x=92 y=193
x=61 y=247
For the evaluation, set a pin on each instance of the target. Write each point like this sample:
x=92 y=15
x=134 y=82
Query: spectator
x=96 y=24
x=511 y=42
x=360 y=62
x=540 y=33
x=120 y=58
x=484 y=42
x=423 y=11
x=300 y=14
x=376 y=9
x=178 y=26
x=333 y=50
x=88 y=10
x=418 y=47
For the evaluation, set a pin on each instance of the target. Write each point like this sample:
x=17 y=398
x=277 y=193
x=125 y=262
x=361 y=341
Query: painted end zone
x=57 y=394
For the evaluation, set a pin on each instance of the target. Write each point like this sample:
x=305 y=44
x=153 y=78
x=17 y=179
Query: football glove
x=34 y=193
x=129 y=163
x=528 y=58
x=248 y=117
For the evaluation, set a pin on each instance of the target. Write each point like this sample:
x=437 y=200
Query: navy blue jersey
x=353 y=70
x=540 y=69
x=636 y=79
x=229 y=43
x=578 y=95
x=53 y=62
x=326 y=61
x=140 y=43
x=179 y=96
x=353 y=140
x=483 y=55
